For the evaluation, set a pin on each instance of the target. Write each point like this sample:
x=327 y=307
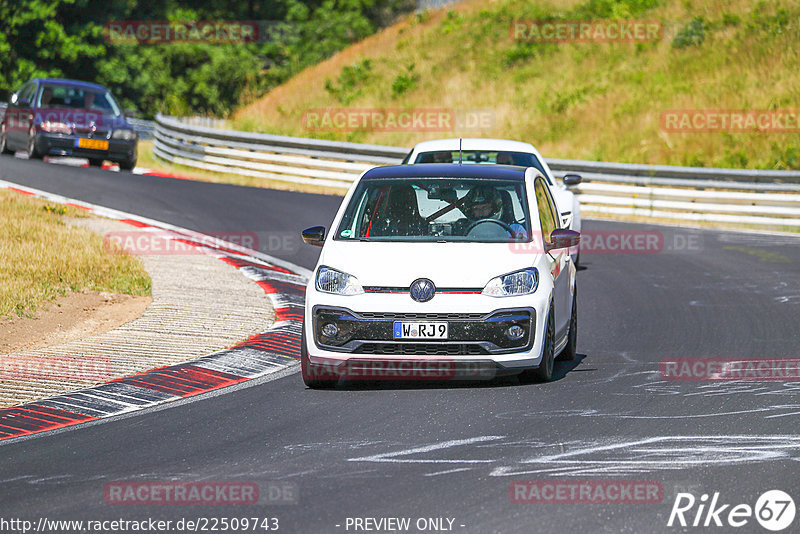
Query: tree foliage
x=65 y=38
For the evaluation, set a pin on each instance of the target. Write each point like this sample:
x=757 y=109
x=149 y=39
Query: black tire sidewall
x=571 y=349
x=33 y=153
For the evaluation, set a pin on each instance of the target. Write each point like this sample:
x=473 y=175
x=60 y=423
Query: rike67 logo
x=774 y=510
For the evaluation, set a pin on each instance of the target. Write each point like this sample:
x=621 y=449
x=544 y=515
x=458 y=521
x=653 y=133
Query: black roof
x=73 y=83
x=447 y=170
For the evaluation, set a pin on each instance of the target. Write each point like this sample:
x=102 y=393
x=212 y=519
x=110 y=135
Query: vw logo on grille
x=422 y=290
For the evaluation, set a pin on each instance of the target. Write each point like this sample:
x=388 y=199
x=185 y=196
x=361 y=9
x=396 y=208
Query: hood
x=448 y=265
x=81 y=119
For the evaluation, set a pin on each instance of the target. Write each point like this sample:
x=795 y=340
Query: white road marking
x=448 y=471
x=392 y=457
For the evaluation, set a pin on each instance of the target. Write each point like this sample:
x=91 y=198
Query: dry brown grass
x=42 y=257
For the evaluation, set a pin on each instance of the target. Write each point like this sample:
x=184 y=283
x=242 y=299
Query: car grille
x=421 y=349
x=422 y=316
x=99 y=134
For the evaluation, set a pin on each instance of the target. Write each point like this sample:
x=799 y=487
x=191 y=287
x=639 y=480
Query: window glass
x=544 y=204
x=26 y=93
x=71 y=97
x=437 y=209
x=482 y=157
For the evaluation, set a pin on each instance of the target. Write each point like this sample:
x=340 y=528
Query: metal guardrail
x=739 y=196
x=144 y=129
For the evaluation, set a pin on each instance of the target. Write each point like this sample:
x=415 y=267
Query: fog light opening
x=515 y=332
x=330 y=330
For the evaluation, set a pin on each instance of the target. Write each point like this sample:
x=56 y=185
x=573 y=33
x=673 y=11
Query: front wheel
x=127 y=165
x=33 y=151
x=307 y=371
x=544 y=373
x=571 y=350
x=3 y=143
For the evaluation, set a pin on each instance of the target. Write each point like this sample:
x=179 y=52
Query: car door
x=11 y=120
x=20 y=118
x=557 y=259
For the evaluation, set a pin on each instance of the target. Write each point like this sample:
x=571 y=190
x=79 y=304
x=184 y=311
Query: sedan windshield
x=437 y=209
x=74 y=97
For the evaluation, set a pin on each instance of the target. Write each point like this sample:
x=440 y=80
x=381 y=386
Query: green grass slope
x=582 y=100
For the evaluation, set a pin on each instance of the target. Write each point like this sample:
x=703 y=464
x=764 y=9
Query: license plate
x=94 y=144
x=404 y=330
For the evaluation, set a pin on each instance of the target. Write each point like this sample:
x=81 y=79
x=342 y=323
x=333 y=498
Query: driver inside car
x=481 y=203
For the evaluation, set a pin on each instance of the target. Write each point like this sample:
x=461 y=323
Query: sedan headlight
x=521 y=282
x=125 y=135
x=56 y=127
x=336 y=282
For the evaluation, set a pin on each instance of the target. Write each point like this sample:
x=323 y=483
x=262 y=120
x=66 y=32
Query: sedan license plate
x=94 y=144
x=403 y=330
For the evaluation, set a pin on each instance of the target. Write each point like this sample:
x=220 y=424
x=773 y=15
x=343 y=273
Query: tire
x=305 y=369
x=32 y=150
x=3 y=143
x=129 y=164
x=544 y=373
x=571 y=350
x=96 y=162
x=126 y=165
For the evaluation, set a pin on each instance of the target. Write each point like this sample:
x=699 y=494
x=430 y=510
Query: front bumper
x=477 y=346
x=469 y=334
x=50 y=144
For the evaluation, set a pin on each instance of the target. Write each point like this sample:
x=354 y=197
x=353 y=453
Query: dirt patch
x=74 y=316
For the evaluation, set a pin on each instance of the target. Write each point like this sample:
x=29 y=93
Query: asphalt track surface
x=451 y=451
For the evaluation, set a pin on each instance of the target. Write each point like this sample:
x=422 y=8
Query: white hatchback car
x=505 y=152
x=441 y=271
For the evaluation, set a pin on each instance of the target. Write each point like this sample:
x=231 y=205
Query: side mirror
x=13 y=99
x=572 y=179
x=562 y=238
x=314 y=236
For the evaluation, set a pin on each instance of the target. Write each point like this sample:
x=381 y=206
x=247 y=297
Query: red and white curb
x=271 y=351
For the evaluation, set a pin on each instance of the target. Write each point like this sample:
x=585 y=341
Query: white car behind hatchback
x=504 y=152
x=441 y=272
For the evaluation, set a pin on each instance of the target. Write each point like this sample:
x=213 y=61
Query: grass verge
x=599 y=101
x=42 y=257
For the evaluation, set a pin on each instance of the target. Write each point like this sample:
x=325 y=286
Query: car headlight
x=125 y=135
x=521 y=282
x=336 y=282
x=56 y=127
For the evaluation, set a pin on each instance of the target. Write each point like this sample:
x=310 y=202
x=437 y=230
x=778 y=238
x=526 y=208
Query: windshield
x=482 y=157
x=437 y=209
x=71 y=97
